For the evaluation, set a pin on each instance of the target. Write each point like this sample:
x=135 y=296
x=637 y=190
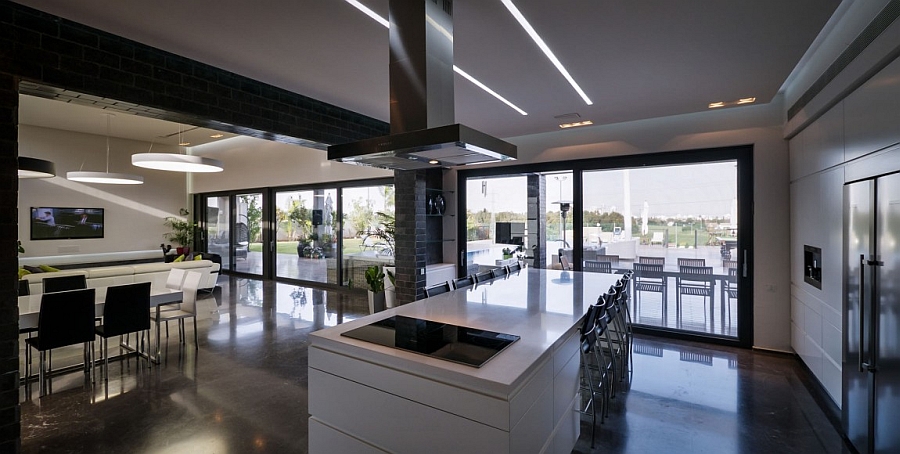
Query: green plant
x=182 y=230
x=386 y=231
x=21 y=249
x=390 y=275
x=375 y=279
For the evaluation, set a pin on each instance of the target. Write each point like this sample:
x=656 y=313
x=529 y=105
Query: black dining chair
x=66 y=318
x=63 y=283
x=437 y=289
x=465 y=281
x=24 y=290
x=126 y=311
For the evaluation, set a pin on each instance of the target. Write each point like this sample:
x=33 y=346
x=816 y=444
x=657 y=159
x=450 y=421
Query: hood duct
x=423 y=133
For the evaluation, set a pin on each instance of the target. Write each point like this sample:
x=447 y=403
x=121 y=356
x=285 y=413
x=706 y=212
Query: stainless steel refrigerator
x=871 y=322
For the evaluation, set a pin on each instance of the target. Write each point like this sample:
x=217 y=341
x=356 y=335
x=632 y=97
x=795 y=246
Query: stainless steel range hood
x=421 y=78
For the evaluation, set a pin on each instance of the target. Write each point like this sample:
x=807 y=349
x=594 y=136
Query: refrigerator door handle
x=862 y=304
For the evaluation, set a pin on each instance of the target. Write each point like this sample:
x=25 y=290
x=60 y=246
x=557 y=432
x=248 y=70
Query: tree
x=362 y=215
x=254 y=217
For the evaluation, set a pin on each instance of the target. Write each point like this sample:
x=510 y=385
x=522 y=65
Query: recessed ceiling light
x=216 y=136
x=713 y=105
x=183 y=144
x=576 y=124
x=434 y=161
x=546 y=49
x=387 y=24
x=746 y=100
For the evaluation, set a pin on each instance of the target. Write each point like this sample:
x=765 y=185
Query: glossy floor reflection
x=687 y=397
x=245 y=390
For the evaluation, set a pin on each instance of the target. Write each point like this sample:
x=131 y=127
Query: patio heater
x=563 y=210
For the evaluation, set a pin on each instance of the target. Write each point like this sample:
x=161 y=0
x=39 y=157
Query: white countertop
x=538 y=305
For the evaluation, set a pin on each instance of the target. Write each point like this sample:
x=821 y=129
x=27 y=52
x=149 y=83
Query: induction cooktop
x=459 y=344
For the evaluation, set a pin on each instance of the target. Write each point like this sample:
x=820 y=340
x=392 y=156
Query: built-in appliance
x=460 y=344
x=871 y=319
x=423 y=132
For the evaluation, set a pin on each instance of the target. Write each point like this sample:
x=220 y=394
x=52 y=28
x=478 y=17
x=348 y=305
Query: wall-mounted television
x=55 y=223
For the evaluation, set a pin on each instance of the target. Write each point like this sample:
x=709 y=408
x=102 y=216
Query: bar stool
x=464 y=281
x=438 y=289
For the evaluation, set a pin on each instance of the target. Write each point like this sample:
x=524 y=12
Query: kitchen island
x=365 y=397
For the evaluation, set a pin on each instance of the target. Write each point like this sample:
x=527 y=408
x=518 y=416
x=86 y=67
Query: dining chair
x=729 y=291
x=126 y=310
x=692 y=281
x=63 y=283
x=564 y=263
x=594 y=266
x=464 y=281
x=65 y=318
x=612 y=259
x=691 y=262
x=438 y=289
x=483 y=277
x=649 y=278
x=24 y=290
x=174 y=281
x=188 y=307
x=652 y=260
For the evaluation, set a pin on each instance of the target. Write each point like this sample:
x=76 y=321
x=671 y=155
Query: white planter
x=390 y=294
x=376 y=302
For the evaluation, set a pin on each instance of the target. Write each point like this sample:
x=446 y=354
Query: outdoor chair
x=692 y=281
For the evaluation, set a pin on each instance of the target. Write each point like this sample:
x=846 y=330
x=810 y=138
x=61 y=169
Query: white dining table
x=30 y=305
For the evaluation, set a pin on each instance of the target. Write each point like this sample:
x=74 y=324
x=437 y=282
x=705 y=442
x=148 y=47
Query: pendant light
x=36 y=168
x=174 y=162
x=104 y=177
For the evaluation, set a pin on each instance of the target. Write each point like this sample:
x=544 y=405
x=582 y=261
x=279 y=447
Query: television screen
x=49 y=223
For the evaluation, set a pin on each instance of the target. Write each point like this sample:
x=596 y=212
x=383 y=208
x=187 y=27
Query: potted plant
x=375 y=280
x=182 y=231
x=507 y=253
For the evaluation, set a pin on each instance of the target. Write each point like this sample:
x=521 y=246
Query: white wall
x=257 y=163
x=759 y=126
x=133 y=214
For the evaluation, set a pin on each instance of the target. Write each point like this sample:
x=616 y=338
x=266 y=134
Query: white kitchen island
x=365 y=397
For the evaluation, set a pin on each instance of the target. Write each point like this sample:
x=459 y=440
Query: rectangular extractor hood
x=421 y=78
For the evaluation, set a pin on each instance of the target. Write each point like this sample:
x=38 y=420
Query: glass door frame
x=269 y=222
x=743 y=155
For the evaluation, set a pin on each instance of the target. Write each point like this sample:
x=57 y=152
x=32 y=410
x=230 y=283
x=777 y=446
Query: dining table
x=30 y=308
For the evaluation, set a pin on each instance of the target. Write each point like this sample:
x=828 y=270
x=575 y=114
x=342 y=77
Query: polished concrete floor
x=245 y=390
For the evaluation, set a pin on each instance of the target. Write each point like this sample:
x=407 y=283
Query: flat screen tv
x=54 y=223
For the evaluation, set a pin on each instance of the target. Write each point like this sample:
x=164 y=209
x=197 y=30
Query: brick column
x=410 y=245
x=537 y=219
x=9 y=309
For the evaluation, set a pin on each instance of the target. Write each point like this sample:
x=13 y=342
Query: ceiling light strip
x=487 y=89
x=368 y=12
x=386 y=24
x=543 y=46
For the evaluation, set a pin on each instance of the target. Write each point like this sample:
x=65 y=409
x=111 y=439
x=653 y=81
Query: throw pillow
x=198 y=257
x=48 y=268
x=33 y=269
x=180 y=258
x=23 y=272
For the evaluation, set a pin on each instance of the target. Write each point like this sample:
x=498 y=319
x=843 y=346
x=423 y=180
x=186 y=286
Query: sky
x=687 y=190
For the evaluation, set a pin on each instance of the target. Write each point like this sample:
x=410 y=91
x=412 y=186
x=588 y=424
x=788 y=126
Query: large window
x=366 y=211
x=681 y=222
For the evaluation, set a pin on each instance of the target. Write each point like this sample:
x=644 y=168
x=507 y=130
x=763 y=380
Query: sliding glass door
x=248 y=252
x=681 y=222
x=306 y=223
x=218 y=228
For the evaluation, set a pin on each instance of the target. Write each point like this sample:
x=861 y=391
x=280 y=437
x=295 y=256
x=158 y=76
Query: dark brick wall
x=410 y=254
x=56 y=55
x=9 y=232
x=44 y=55
x=537 y=189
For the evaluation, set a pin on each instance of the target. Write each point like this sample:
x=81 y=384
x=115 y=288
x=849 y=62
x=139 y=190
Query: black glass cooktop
x=460 y=344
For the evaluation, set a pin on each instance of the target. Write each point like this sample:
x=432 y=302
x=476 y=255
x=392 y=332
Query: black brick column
x=537 y=219
x=410 y=246
x=9 y=233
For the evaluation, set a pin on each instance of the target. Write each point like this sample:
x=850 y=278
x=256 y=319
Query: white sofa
x=104 y=276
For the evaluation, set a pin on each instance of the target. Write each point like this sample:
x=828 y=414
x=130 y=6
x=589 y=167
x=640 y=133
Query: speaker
x=316 y=217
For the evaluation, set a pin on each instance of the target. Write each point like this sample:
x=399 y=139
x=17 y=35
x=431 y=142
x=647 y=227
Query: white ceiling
x=635 y=59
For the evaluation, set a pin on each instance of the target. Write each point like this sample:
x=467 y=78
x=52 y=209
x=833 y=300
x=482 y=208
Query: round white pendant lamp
x=104 y=177
x=36 y=168
x=176 y=162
